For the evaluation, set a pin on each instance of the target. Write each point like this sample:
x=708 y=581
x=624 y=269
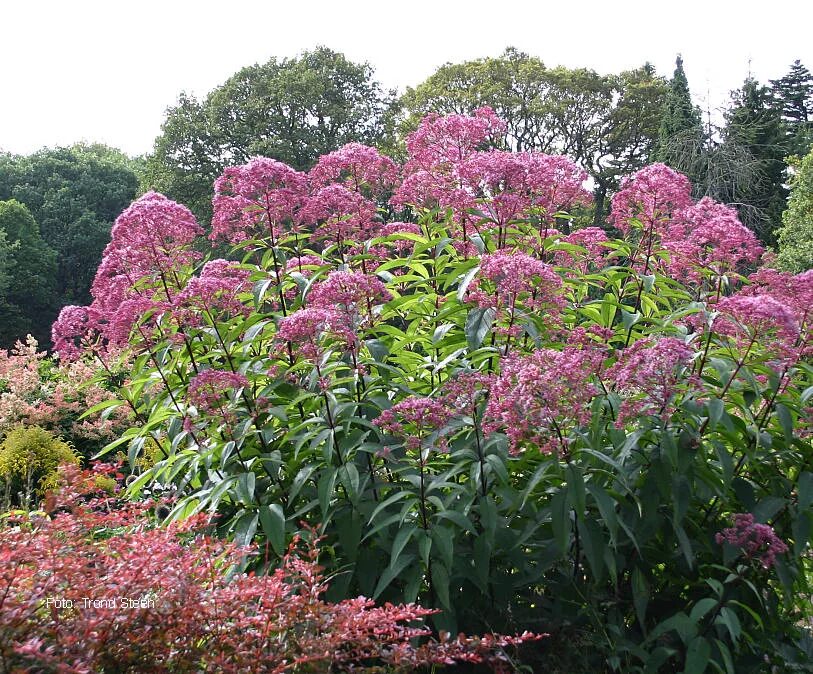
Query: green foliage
x=681 y=118
x=793 y=94
x=74 y=194
x=30 y=264
x=796 y=234
x=608 y=543
x=754 y=123
x=293 y=110
x=29 y=459
x=608 y=124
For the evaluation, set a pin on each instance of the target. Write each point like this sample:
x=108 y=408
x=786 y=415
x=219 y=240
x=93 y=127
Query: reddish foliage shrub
x=96 y=588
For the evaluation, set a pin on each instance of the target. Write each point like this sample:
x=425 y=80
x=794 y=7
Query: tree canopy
x=74 y=194
x=607 y=123
x=796 y=235
x=292 y=110
x=27 y=304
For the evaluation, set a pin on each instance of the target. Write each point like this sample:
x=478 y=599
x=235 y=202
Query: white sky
x=88 y=70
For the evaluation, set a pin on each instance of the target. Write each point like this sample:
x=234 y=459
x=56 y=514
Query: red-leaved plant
x=95 y=587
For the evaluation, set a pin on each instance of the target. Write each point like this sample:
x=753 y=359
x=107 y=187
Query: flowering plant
x=519 y=424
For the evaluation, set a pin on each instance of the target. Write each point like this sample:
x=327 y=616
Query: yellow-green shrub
x=29 y=457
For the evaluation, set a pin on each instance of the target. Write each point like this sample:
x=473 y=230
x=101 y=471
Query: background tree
x=607 y=124
x=796 y=234
x=793 y=95
x=28 y=303
x=755 y=125
x=293 y=110
x=5 y=265
x=681 y=134
x=74 y=194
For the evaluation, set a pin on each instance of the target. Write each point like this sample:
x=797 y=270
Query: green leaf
x=698 y=655
x=245 y=487
x=440 y=584
x=400 y=541
x=327 y=484
x=272 y=519
x=640 y=596
x=478 y=324
x=458 y=518
x=560 y=517
x=701 y=608
x=729 y=618
x=245 y=527
x=785 y=421
x=465 y=281
x=716 y=407
x=391 y=573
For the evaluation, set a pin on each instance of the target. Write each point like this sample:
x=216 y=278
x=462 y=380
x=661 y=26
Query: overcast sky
x=87 y=70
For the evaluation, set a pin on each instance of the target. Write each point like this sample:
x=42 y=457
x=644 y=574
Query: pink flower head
x=464 y=391
x=651 y=196
x=514 y=183
x=257 y=199
x=436 y=150
x=306 y=328
x=749 y=318
x=536 y=398
x=139 y=312
x=794 y=291
x=709 y=236
x=648 y=375
x=358 y=167
x=758 y=541
x=214 y=292
x=153 y=234
x=209 y=390
x=353 y=293
x=69 y=332
x=151 y=244
x=594 y=255
x=341 y=214
x=509 y=280
x=452 y=138
x=413 y=419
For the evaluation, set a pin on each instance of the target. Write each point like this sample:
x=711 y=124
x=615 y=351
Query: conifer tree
x=793 y=95
x=755 y=125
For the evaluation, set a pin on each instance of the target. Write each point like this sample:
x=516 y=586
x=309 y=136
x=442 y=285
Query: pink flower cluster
x=591 y=239
x=749 y=318
x=208 y=390
x=758 y=541
x=353 y=293
x=652 y=196
x=413 y=419
x=151 y=241
x=307 y=327
x=648 y=374
x=516 y=183
x=258 y=199
x=358 y=167
x=509 y=281
x=462 y=392
x=700 y=237
x=794 y=292
x=536 y=398
x=709 y=236
x=339 y=214
x=214 y=292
